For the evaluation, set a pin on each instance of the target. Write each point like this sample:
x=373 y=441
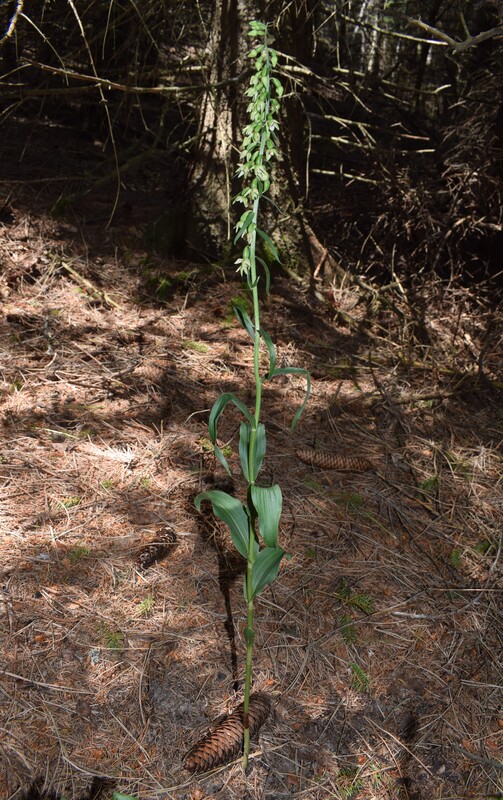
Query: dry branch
x=103 y=296
x=13 y=22
x=458 y=47
x=105 y=83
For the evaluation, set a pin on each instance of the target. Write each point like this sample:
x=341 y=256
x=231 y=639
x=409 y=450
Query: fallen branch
x=490 y=762
x=98 y=293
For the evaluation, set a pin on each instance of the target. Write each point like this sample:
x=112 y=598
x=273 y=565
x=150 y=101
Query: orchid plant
x=254 y=524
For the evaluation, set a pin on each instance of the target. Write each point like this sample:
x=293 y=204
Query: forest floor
x=380 y=642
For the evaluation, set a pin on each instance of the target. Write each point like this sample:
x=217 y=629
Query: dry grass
x=380 y=643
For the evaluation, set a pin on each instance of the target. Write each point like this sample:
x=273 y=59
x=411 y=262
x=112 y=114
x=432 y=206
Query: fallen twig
x=103 y=296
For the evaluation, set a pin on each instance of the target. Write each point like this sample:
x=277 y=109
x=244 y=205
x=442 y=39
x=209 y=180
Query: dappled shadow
x=105 y=440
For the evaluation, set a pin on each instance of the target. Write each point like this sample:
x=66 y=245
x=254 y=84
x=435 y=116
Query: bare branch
x=12 y=24
x=105 y=83
x=457 y=47
x=385 y=31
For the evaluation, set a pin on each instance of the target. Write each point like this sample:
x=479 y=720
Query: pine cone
x=225 y=741
x=326 y=460
x=157 y=549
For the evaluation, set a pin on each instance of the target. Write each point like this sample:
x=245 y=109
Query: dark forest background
x=392 y=127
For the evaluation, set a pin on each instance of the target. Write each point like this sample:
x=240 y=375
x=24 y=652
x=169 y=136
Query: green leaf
x=267 y=239
x=249 y=636
x=265 y=568
x=260 y=446
x=267 y=274
x=215 y=413
x=362 y=601
x=218 y=454
x=120 y=796
x=230 y=510
x=245 y=432
x=296 y=371
x=272 y=352
x=244 y=446
x=250 y=282
x=348 y=629
x=244 y=320
x=257 y=28
x=268 y=504
x=359 y=679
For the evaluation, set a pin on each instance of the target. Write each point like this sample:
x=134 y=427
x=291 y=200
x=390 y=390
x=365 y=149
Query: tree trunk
x=215 y=159
x=222 y=116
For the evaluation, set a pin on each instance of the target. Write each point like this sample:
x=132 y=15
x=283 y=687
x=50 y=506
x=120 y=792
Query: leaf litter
x=110 y=672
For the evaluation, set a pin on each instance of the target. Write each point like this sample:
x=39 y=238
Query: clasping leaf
x=215 y=412
x=244 y=321
x=230 y=510
x=245 y=432
x=267 y=239
x=265 y=568
x=268 y=503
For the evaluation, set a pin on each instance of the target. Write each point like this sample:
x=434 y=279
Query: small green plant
x=114 y=640
x=455 y=558
x=351 y=501
x=120 y=796
x=360 y=681
x=348 y=629
x=456 y=463
x=359 y=600
x=78 y=552
x=145 y=481
x=254 y=524
x=157 y=284
x=163 y=288
x=311 y=483
x=70 y=502
x=378 y=777
x=239 y=301
x=205 y=444
x=198 y=347
x=429 y=485
x=106 y=484
x=348 y=783
x=208 y=447
x=146 y=606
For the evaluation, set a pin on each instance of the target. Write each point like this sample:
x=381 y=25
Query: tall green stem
x=258 y=149
x=254 y=525
x=250 y=632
